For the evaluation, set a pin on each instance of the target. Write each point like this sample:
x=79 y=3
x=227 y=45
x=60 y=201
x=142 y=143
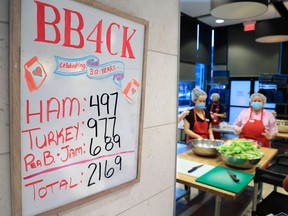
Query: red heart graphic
x=37 y=72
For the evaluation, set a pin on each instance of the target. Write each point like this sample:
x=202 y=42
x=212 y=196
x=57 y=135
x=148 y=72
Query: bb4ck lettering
x=74 y=25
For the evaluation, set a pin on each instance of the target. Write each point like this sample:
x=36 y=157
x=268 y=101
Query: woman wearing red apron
x=256 y=123
x=197 y=124
x=217 y=111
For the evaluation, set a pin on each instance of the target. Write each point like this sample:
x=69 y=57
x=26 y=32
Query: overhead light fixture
x=272 y=31
x=230 y=9
x=219 y=21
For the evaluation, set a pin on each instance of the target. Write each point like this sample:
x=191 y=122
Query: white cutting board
x=184 y=165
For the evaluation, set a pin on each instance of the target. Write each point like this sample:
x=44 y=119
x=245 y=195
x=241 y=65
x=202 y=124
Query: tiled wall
x=154 y=194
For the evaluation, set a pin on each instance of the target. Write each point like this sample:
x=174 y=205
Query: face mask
x=215 y=102
x=200 y=105
x=256 y=105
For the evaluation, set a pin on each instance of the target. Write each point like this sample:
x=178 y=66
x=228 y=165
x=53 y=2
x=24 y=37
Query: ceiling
x=200 y=9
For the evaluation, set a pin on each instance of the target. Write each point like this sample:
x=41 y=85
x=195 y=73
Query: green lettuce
x=240 y=148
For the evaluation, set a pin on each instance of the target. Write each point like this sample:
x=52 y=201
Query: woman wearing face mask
x=255 y=122
x=217 y=111
x=197 y=124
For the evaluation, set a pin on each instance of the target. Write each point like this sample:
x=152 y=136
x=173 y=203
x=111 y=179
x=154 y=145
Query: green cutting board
x=218 y=177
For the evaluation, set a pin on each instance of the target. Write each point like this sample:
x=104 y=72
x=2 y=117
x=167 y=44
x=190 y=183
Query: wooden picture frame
x=76 y=102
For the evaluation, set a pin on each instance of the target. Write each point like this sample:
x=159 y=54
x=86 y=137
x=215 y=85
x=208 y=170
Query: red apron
x=253 y=129
x=200 y=128
x=215 y=121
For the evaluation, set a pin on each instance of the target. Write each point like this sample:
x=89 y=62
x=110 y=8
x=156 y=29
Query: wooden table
x=188 y=180
x=282 y=135
x=223 y=130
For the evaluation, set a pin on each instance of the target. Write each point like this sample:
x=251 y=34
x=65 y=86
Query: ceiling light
x=219 y=21
x=272 y=31
x=230 y=9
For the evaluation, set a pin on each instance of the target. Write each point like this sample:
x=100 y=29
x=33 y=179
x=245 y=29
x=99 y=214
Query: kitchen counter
x=282 y=135
x=223 y=129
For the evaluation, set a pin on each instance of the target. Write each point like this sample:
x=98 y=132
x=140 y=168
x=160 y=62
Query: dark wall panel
x=220 y=46
x=249 y=58
x=204 y=52
x=284 y=66
x=188 y=39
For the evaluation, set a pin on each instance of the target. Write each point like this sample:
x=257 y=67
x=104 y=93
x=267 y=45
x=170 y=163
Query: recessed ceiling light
x=219 y=21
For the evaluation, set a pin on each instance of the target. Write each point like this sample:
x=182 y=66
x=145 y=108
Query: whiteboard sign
x=81 y=90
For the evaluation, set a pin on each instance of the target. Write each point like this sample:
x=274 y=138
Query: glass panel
x=200 y=76
x=269 y=89
x=240 y=93
x=234 y=112
x=184 y=93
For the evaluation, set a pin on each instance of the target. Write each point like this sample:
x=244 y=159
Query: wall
x=234 y=48
x=249 y=58
x=5 y=196
x=154 y=195
x=189 y=55
x=284 y=65
x=188 y=71
x=220 y=48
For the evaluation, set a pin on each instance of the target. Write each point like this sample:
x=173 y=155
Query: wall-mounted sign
x=81 y=98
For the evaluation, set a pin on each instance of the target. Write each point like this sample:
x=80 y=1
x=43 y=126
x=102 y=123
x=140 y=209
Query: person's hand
x=237 y=130
x=212 y=115
x=216 y=114
x=268 y=135
x=211 y=136
x=185 y=113
x=199 y=137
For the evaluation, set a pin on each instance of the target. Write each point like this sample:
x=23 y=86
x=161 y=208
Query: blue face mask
x=256 y=105
x=200 y=105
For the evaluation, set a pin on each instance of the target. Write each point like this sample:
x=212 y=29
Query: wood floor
x=203 y=204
